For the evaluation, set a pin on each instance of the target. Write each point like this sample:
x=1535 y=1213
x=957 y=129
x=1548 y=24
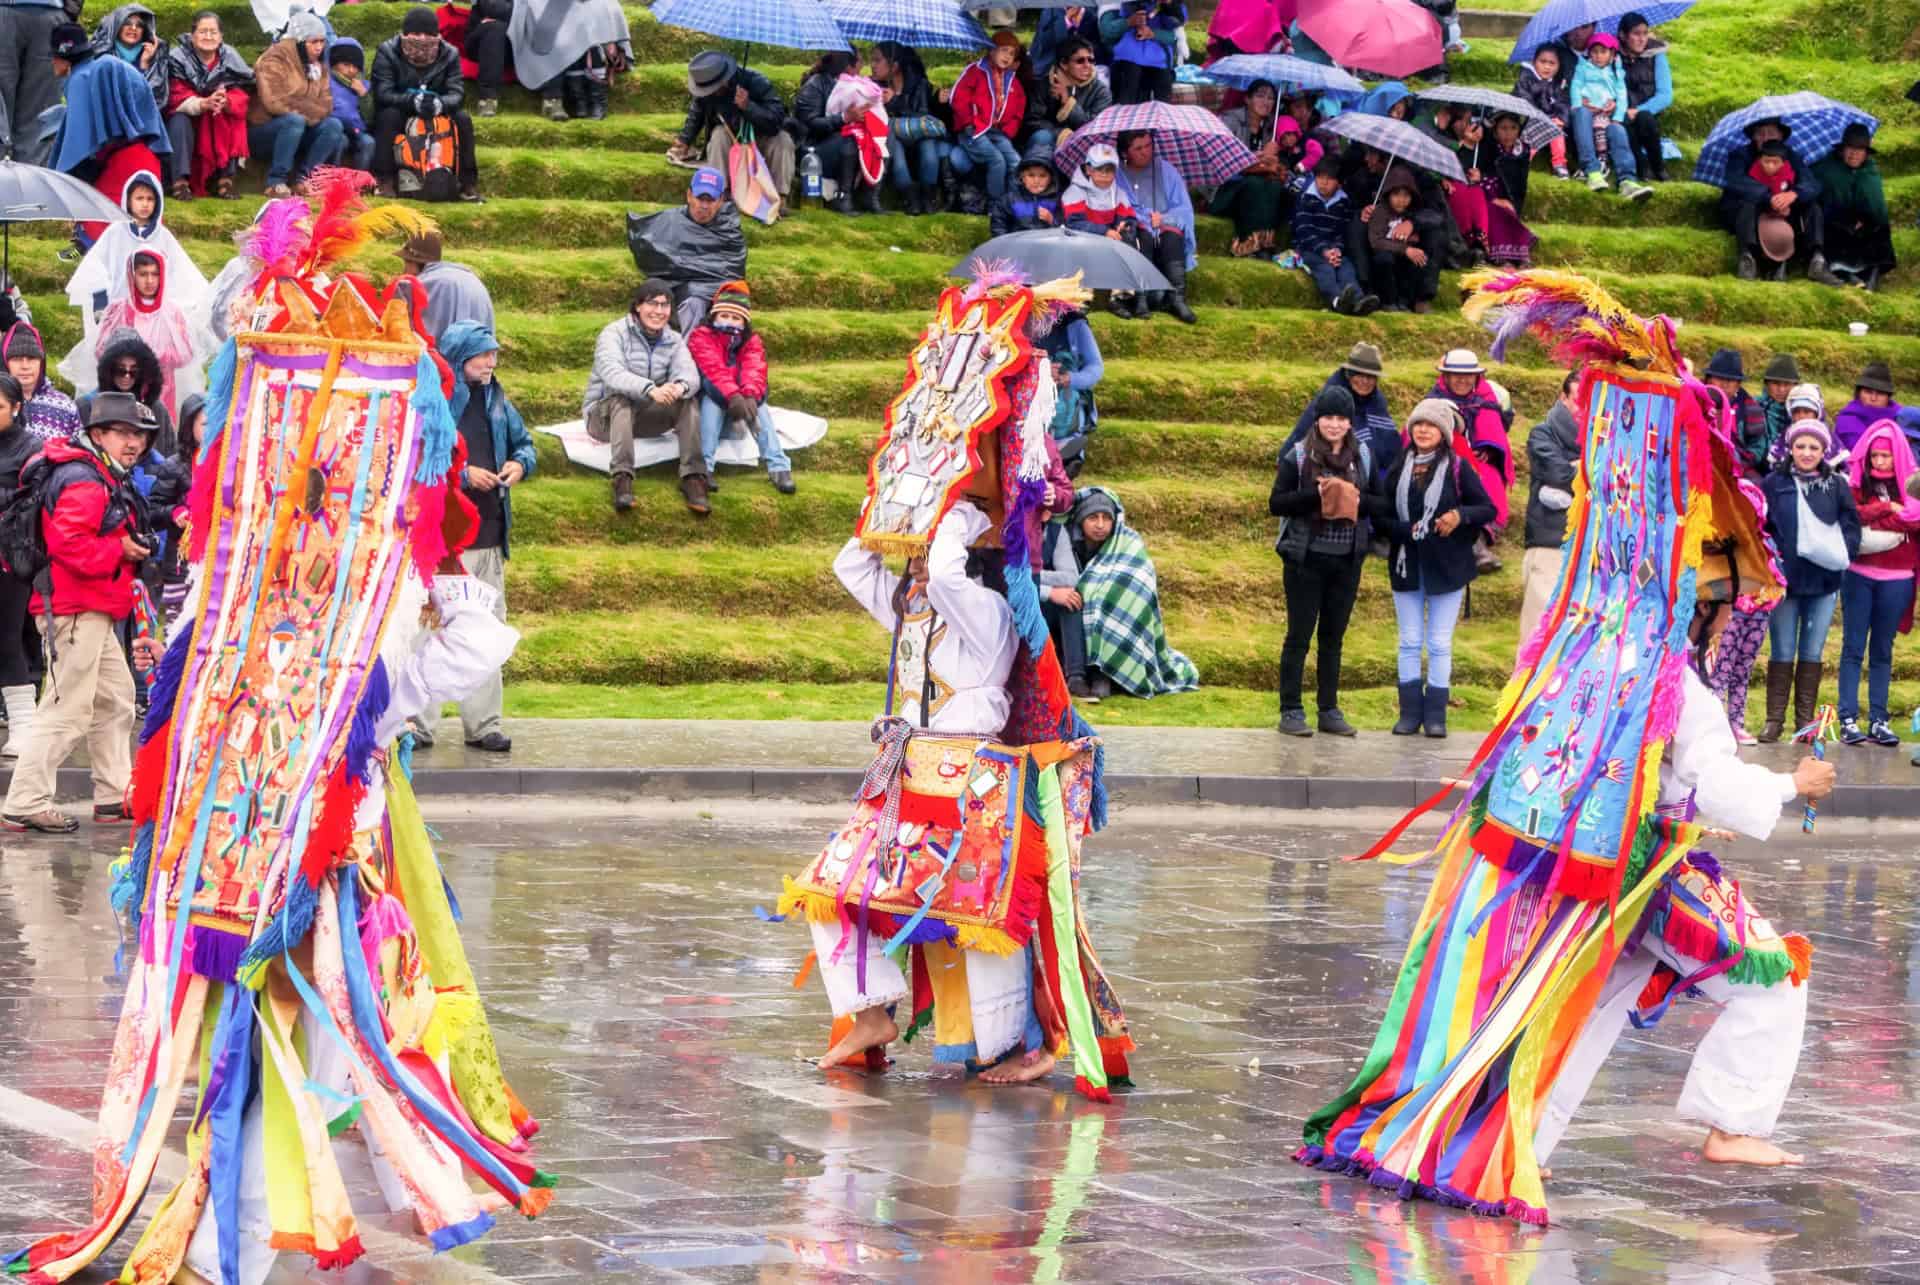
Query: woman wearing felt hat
x=1859 y=231
x=1872 y=401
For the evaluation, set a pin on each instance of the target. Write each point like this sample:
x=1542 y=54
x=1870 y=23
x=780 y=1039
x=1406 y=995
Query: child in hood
x=101 y=277
x=1033 y=200
x=732 y=362
x=1540 y=84
x=147 y=310
x=1406 y=271
x=349 y=63
x=1876 y=599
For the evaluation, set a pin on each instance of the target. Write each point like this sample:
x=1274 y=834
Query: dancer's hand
x=1813 y=778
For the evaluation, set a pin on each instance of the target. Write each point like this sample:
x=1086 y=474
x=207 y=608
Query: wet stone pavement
x=648 y=1018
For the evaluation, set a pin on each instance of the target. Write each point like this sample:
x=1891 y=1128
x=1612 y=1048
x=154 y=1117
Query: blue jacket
x=1320 y=223
x=1161 y=188
x=1593 y=85
x=346 y=103
x=511 y=442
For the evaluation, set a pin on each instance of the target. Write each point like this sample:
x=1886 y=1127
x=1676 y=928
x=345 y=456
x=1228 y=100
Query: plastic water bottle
x=810 y=175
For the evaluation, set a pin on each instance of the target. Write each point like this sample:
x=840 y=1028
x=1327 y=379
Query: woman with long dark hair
x=917 y=137
x=820 y=130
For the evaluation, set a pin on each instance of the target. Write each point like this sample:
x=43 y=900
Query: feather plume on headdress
x=277 y=238
x=1576 y=319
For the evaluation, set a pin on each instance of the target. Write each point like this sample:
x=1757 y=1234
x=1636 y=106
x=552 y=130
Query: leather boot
x=20 y=710
x=1409 y=721
x=1433 y=717
x=573 y=95
x=622 y=492
x=1177 y=305
x=1806 y=691
x=1779 y=684
x=869 y=199
x=597 y=98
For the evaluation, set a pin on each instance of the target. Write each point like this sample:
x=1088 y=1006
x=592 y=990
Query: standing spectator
x=1031 y=203
x=989 y=103
x=1434 y=508
x=643 y=384
x=349 y=88
x=126 y=364
x=1876 y=597
x=28 y=83
x=823 y=132
x=499 y=457
x=1319 y=227
x=1553 y=461
x=454 y=291
x=1165 y=214
x=1484 y=443
x=1872 y=401
x=1144 y=36
x=1816 y=527
x=1776 y=385
x=17 y=446
x=96 y=539
x=1744 y=199
x=1406 y=271
x=48 y=413
x=566 y=51
x=1726 y=372
x=1324 y=490
x=917 y=138
x=732 y=362
x=1256 y=198
x=111 y=130
x=417 y=74
x=1069 y=95
x=1854 y=207
x=1503 y=178
x=210 y=88
x=1359 y=376
x=1643 y=61
x=291 y=120
x=1056 y=27
x=1541 y=84
x=1600 y=104
x=726 y=101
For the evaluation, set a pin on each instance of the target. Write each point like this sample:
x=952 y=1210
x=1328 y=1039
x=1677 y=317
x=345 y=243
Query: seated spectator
x=1164 y=216
x=1359 y=376
x=728 y=100
x=567 y=51
x=989 y=104
x=1406 y=272
x=1859 y=233
x=1643 y=61
x=416 y=76
x=111 y=130
x=917 y=139
x=97 y=537
x=1814 y=563
x=500 y=456
x=1485 y=419
x=1599 y=96
x=1056 y=27
x=1872 y=401
x=643 y=384
x=1069 y=94
x=1541 y=84
x=1876 y=595
x=291 y=120
x=210 y=88
x=483 y=41
x=695 y=246
x=1257 y=198
x=1571 y=49
x=1077 y=368
x=1319 y=229
x=454 y=291
x=1744 y=201
x=130 y=34
x=1434 y=510
x=1034 y=201
x=1144 y=37
x=1388 y=98
x=350 y=88
x=1776 y=385
x=1120 y=604
x=1553 y=461
x=1325 y=491
x=732 y=362
x=49 y=414
x=828 y=125
x=1503 y=179
x=1060 y=603
x=1728 y=373
x=1468 y=201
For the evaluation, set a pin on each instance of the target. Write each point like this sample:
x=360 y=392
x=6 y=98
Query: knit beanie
x=1807 y=395
x=1810 y=428
x=1333 y=400
x=347 y=51
x=735 y=295
x=22 y=341
x=420 y=21
x=1439 y=412
x=303 y=27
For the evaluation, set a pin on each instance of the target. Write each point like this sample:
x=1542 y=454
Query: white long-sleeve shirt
x=1703 y=760
x=964 y=629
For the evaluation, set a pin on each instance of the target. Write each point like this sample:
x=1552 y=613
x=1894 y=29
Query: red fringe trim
x=149 y=773
x=1586 y=879
x=1800 y=951
x=1028 y=897
x=331 y=837
x=1084 y=1087
x=334 y=1259
x=1689 y=936
x=929 y=809
x=425 y=537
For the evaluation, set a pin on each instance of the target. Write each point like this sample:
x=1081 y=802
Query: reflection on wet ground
x=648 y=1018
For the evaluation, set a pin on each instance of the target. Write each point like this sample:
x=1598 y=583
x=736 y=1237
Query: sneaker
x=693 y=487
x=1561 y=171
x=488 y=107
x=492 y=743
x=1881 y=734
x=275 y=191
x=1368 y=305
x=1102 y=686
x=1293 y=722
x=1850 y=733
x=471 y=195
x=1749 y=269
x=52 y=821
x=1345 y=302
x=385 y=189
x=1741 y=736
x=783 y=482
x=1596 y=181
x=1334 y=723
x=1635 y=190
x=554 y=109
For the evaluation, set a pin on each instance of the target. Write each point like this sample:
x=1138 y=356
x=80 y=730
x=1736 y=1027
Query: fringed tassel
x=1091 y=1092
x=1800 y=951
x=455 y=1235
x=166 y=686
x=206 y=468
x=426 y=528
x=374 y=698
x=330 y=838
x=343 y=1255
x=1023 y=595
x=148 y=776
x=817 y=907
x=130 y=877
x=436 y=423
x=287 y=929
x=216 y=954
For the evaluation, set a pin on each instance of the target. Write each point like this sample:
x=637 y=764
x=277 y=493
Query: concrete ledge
x=1492 y=24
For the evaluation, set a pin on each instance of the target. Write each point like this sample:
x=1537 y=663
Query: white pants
x=1740 y=1074
x=996 y=988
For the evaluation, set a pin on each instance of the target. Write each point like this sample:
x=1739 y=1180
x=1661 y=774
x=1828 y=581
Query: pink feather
x=277 y=239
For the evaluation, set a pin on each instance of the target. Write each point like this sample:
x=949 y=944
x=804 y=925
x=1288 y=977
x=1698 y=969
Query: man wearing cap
x=28 y=85
x=725 y=100
x=291 y=120
x=1553 y=460
x=694 y=247
x=643 y=384
x=1728 y=373
x=417 y=74
x=1872 y=402
x=96 y=536
x=1743 y=199
x=1360 y=375
x=454 y=291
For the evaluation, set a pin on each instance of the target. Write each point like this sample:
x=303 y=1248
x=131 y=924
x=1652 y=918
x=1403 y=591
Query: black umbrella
x=33 y=193
x=1052 y=253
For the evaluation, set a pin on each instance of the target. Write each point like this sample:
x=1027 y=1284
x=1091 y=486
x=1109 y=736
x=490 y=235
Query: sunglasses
x=1081 y=58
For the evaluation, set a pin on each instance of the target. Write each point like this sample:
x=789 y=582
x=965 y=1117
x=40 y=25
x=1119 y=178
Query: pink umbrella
x=1391 y=37
x=1252 y=24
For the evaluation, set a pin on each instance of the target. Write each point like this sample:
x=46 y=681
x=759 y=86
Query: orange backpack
x=428 y=152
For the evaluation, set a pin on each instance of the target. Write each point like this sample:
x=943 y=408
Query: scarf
x=1429 y=500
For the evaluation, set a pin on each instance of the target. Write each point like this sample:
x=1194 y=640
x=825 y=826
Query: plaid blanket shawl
x=1126 y=638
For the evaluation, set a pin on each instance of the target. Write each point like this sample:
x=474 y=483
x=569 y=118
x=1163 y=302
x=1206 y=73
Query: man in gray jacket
x=643 y=384
x=1553 y=458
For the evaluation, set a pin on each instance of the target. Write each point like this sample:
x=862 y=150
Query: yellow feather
x=382 y=220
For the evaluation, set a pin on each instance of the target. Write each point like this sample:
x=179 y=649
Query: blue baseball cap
x=708 y=181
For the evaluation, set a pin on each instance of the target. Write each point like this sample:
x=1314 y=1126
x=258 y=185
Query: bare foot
x=1029 y=1068
x=1739 y=1149
x=872 y=1029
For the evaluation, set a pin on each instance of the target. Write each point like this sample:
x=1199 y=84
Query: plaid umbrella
x=1536 y=130
x=1397 y=138
x=1557 y=17
x=788 y=24
x=1814 y=123
x=925 y=24
x=1191 y=139
x=1241 y=70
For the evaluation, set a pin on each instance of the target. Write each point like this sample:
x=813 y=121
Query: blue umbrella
x=789 y=24
x=1558 y=17
x=925 y=24
x=1397 y=138
x=1814 y=125
x=1241 y=70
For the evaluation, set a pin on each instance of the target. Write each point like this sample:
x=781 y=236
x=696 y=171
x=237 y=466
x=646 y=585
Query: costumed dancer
x=1574 y=894
x=291 y=938
x=954 y=887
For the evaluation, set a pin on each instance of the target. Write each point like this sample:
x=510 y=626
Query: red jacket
x=89 y=569
x=975 y=95
x=744 y=371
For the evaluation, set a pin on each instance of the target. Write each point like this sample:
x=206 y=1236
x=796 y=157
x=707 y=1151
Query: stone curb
x=836 y=785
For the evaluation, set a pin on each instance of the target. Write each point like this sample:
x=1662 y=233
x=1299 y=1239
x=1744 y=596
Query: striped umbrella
x=1814 y=125
x=1241 y=70
x=1557 y=17
x=787 y=24
x=925 y=24
x=1191 y=139
x=1397 y=138
x=1536 y=129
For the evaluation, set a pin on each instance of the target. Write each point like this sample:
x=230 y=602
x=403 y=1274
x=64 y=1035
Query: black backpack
x=23 y=544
